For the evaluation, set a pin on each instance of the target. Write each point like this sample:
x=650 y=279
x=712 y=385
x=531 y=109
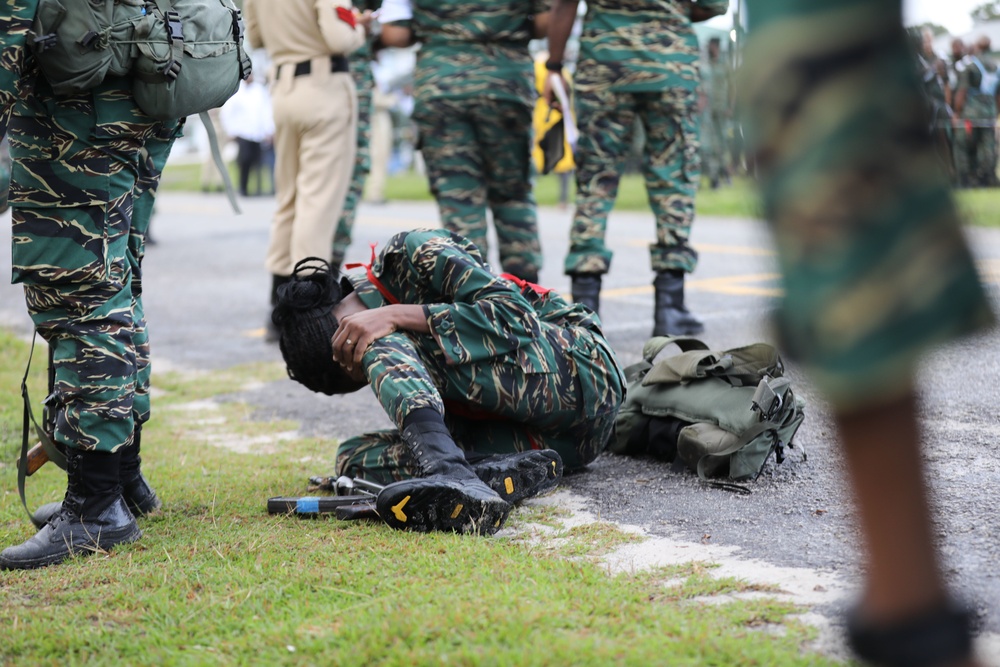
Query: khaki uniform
x=315 y=120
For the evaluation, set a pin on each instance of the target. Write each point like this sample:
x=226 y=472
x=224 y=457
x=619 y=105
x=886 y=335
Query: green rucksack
x=185 y=56
x=720 y=413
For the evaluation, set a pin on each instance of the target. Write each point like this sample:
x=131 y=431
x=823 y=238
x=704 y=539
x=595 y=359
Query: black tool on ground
x=310 y=505
x=355 y=499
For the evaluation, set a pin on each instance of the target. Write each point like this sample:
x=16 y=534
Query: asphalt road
x=206 y=299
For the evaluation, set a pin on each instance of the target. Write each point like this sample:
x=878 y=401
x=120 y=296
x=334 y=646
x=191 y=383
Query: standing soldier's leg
x=455 y=168
x=605 y=121
x=839 y=108
x=504 y=134
x=74 y=259
x=365 y=82
x=670 y=167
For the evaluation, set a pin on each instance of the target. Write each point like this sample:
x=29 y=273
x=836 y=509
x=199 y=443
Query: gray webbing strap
x=48 y=445
x=213 y=142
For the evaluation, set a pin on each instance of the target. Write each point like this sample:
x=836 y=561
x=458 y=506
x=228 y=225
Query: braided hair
x=303 y=315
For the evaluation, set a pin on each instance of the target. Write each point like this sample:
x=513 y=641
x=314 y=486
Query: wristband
x=554 y=65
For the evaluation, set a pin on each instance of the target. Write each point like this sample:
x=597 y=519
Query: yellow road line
x=740 y=285
x=718 y=248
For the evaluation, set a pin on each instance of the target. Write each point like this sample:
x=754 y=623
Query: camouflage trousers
x=478 y=156
x=876 y=268
x=670 y=166
x=364 y=80
x=84 y=178
x=563 y=394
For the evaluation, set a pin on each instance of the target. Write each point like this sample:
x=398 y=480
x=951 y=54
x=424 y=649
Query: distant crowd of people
x=961 y=89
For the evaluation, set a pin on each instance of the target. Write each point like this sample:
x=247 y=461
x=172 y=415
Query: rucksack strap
x=48 y=445
x=213 y=142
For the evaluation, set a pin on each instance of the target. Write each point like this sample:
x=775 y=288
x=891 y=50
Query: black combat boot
x=93 y=516
x=586 y=289
x=520 y=475
x=270 y=330
x=449 y=496
x=670 y=316
x=138 y=494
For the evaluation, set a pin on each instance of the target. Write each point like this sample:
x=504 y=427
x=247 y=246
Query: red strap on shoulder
x=372 y=279
x=537 y=289
x=346 y=14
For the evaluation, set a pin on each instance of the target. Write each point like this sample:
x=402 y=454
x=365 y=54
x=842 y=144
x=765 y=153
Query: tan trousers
x=315 y=136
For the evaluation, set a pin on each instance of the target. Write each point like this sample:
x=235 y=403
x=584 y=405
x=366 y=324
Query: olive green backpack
x=722 y=414
x=184 y=56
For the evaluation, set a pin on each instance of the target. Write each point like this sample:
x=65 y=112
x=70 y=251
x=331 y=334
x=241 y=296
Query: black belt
x=337 y=64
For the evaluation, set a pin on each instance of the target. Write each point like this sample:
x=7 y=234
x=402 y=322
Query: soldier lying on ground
x=467 y=364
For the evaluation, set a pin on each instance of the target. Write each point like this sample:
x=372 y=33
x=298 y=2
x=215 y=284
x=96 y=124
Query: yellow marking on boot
x=457 y=510
x=508 y=484
x=397 y=510
x=554 y=469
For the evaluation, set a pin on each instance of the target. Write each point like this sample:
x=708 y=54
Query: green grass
x=217 y=581
x=979 y=207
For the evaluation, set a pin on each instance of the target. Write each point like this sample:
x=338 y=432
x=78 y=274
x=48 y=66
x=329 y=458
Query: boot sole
x=103 y=543
x=533 y=474
x=428 y=508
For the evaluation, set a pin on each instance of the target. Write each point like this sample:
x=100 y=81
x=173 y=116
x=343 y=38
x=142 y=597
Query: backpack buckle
x=43 y=42
x=175 y=28
x=766 y=401
x=171 y=70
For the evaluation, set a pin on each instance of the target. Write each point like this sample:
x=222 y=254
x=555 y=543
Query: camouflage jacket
x=474 y=315
x=474 y=49
x=640 y=45
x=15 y=23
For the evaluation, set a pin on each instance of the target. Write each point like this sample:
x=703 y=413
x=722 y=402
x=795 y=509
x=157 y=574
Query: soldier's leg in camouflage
x=605 y=119
x=671 y=170
x=95 y=375
x=505 y=138
x=449 y=495
x=365 y=82
x=455 y=168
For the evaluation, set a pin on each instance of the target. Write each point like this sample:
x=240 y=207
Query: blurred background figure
x=976 y=106
x=934 y=74
x=716 y=117
x=876 y=271
x=247 y=117
x=382 y=132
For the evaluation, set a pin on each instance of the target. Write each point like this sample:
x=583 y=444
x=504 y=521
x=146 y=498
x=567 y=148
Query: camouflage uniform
x=362 y=72
x=474 y=95
x=978 y=122
x=85 y=170
x=509 y=368
x=715 y=121
x=876 y=268
x=638 y=59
